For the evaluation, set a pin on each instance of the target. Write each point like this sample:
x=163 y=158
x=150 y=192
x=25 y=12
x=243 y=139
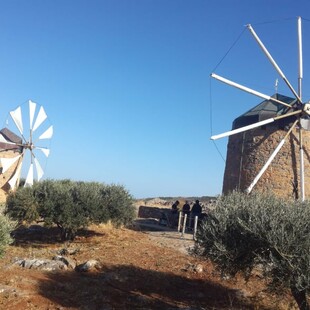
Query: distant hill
x=166 y=202
x=203 y=199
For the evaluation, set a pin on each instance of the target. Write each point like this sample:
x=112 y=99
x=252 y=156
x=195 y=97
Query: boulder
x=90 y=265
x=41 y=264
x=69 y=262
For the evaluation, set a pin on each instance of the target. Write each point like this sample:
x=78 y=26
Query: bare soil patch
x=139 y=269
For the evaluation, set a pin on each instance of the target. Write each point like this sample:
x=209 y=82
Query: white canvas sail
x=45 y=151
x=40 y=118
x=29 y=178
x=32 y=109
x=47 y=134
x=16 y=176
x=17 y=118
x=39 y=169
x=6 y=163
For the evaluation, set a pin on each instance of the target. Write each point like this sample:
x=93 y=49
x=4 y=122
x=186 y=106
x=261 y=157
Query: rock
x=194 y=268
x=198 y=268
x=5 y=289
x=63 y=252
x=18 y=262
x=68 y=251
x=41 y=264
x=69 y=262
x=89 y=266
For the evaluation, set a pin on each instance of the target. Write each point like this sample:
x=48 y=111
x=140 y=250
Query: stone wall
x=151 y=212
x=248 y=152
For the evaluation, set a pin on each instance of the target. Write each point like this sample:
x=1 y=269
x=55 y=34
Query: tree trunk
x=300 y=298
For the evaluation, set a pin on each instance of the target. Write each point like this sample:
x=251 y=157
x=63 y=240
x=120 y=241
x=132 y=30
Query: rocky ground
x=145 y=267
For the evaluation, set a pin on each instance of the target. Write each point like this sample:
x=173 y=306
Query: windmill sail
x=12 y=144
x=16 y=176
x=40 y=118
x=29 y=178
x=32 y=109
x=17 y=118
x=6 y=163
x=44 y=150
x=3 y=140
x=47 y=134
x=254 y=145
x=39 y=169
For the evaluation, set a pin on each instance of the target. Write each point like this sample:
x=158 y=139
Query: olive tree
x=244 y=231
x=6 y=226
x=71 y=205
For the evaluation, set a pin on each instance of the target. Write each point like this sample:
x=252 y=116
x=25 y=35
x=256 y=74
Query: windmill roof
x=9 y=136
x=264 y=110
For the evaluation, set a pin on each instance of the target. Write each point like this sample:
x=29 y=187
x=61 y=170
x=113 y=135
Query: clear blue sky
x=126 y=82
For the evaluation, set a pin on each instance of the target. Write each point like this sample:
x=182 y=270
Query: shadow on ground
x=149 y=224
x=37 y=235
x=129 y=287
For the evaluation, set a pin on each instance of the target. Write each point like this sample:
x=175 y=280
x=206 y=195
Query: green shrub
x=22 y=205
x=119 y=203
x=245 y=231
x=89 y=194
x=71 y=205
x=57 y=205
x=6 y=226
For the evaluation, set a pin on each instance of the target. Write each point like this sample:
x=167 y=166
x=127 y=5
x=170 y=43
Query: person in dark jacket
x=186 y=208
x=174 y=214
x=174 y=207
x=196 y=209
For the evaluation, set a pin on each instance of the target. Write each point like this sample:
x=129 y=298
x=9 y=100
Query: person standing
x=186 y=208
x=174 y=207
x=196 y=209
x=174 y=214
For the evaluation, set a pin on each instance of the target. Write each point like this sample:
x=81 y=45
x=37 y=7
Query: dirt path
x=166 y=237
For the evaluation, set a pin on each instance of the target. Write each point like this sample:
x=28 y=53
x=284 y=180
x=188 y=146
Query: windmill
x=30 y=144
x=292 y=113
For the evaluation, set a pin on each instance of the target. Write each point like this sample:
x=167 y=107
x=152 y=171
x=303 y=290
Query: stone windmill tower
x=9 y=148
x=247 y=152
x=269 y=146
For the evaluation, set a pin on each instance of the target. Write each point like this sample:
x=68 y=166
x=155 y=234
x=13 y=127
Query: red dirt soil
x=138 y=270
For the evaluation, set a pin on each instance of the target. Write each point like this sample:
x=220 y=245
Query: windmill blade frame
x=273 y=62
x=32 y=109
x=296 y=108
x=7 y=163
x=29 y=178
x=255 y=125
x=14 y=181
x=247 y=89
x=41 y=117
x=17 y=118
x=39 y=129
x=274 y=153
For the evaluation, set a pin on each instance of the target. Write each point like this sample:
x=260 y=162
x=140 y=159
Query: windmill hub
x=307 y=108
x=30 y=146
x=301 y=120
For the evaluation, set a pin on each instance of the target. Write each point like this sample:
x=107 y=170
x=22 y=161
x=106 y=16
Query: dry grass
x=139 y=270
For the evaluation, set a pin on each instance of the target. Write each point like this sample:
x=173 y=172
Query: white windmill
x=33 y=142
x=297 y=112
